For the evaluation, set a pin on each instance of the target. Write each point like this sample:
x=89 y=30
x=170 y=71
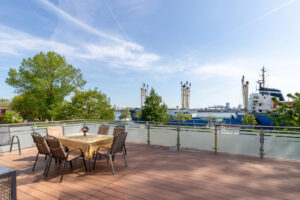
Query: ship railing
x=262 y=141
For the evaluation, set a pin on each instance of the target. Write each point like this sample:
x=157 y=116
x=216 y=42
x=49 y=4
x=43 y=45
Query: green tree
x=91 y=104
x=137 y=114
x=182 y=117
x=154 y=109
x=249 y=119
x=10 y=117
x=287 y=114
x=25 y=104
x=4 y=102
x=46 y=79
x=124 y=114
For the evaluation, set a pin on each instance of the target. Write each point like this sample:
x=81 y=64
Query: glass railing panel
x=166 y=136
x=239 y=144
x=282 y=146
x=201 y=138
x=137 y=133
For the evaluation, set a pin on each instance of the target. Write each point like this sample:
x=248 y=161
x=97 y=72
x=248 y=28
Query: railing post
x=63 y=128
x=32 y=128
x=178 y=137
x=262 y=140
x=216 y=139
x=148 y=133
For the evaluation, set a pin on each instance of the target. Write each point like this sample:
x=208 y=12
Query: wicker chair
x=59 y=152
x=116 y=147
x=55 y=131
x=103 y=130
x=42 y=147
x=117 y=130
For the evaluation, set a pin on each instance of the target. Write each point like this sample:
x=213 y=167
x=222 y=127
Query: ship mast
x=185 y=95
x=245 y=92
x=263 y=80
x=144 y=93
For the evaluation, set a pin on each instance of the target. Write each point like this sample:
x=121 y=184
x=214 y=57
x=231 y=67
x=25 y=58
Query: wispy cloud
x=274 y=10
x=110 y=49
x=17 y=43
x=66 y=16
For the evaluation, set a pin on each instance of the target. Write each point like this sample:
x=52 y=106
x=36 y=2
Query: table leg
x=90 y=168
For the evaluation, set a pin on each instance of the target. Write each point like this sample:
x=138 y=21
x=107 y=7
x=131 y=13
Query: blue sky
x=120 y=44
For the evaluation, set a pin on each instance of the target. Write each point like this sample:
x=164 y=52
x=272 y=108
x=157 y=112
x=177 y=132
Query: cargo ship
x=259 y=104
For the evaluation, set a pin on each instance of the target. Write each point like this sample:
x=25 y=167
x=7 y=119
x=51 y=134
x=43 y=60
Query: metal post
x=32 y=128
x=178 y=137
x=14 y=186
x=216 y=139
x=262 y=140
x=148 y=133
x=63 y=128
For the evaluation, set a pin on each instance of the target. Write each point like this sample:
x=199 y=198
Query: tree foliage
x=249 y=119
x=182 y=117
x=4 y=102
x=137 y=114
x=285 y=114
x=25 y=104
x=45 y=79
x=154 y=109
x=91 y=104
x=10 y=117
x=124 y=114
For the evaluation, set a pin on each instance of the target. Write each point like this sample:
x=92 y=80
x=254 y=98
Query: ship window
x=256 y=97
x=260 y=104
x=259 y=110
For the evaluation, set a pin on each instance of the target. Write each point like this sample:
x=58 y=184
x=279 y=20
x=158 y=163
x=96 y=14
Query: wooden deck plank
x=157 y=173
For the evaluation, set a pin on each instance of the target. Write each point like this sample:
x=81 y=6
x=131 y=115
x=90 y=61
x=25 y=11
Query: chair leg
x=36 y=158
x=124 y=147
x=45 y=157
x=71 y=165
x=124 y=159
x=46 y=167
x=95 y=158
x=111 y=163
x=49 y=165
x=19 y=145
x=63 y=170
x=12 y=142
x=86 y=169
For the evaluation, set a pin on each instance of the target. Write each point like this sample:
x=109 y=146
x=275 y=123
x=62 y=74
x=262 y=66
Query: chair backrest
x=103 y=130
x=55 y=131
x=118 y=130
x=5 y=138
x=56 y=148
x=118 y=143
x=41 y=143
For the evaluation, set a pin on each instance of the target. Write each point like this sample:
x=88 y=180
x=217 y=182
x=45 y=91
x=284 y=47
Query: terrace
x=159 y=171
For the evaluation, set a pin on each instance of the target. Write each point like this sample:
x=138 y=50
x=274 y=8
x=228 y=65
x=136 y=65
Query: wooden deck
x=158 y=173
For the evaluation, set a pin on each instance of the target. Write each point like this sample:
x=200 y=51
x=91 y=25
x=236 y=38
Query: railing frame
x=258 y=130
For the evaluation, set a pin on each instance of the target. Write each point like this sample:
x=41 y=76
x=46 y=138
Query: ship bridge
x=271 y=91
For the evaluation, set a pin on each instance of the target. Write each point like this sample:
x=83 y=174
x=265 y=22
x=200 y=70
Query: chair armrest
x=106 y=148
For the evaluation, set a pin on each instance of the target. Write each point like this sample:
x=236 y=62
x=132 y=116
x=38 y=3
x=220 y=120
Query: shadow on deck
x=159 y=173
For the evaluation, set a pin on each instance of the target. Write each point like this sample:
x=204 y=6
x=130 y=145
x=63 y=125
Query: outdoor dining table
x=88 y=144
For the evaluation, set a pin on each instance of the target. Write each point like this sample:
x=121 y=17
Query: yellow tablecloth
x=88 y=144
